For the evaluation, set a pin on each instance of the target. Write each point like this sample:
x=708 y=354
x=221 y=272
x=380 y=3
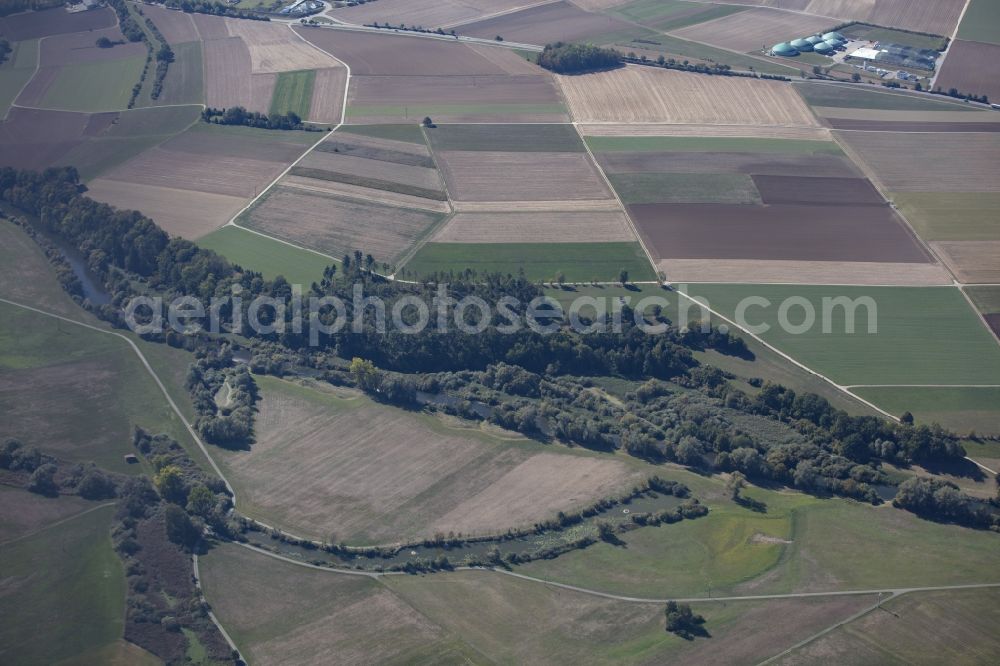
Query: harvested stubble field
x=543 y=138
x=182 y=212
x=700 y=144
x=396 y=54
x=759 y=271
x=428 y=15
x=943 y=162
x=497 y=98
x=392 y=172
x=497 y=176
x=273 y=48
x=578 y=262
x=783 y=232
x=971 y=261
x=652 y=95
x=819 y=166
x=368 y=182
x=581 y=206
x=692 y=130
x=32 y=25
x=952 y=216
x=371 y=148
x=812 y=190
x=545 y=24
x=177 y=27
x=752 y=29
x=336 y=226
x=547 y=227
x=934 y=16
x=971 y=67
x=329 y=89
x=360 y=193
x=326 y=461
x=228 y=78
x=211 y=27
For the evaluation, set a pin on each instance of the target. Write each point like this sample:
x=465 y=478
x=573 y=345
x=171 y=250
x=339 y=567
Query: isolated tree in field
x=906 y=418
x=735 y=485
x=681 y=620
x=104 y=43
x=623 y=277
x=427 y=122
x=855 y=77
x=560 y=279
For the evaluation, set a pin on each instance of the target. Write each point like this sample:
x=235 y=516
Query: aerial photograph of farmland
x=499 y=332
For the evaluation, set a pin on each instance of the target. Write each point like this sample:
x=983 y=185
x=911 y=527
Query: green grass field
x=78 y=392
x=578 y=262
x=507 y=138
x=16 y=72
x=924 y=335
x=64 y=591
x=96 y=86
x=853 y=97
x=640 y=188
x=137 y=130
x=835 y=544
x=417 y=112
x=185 y=80
x=293 y=93
x=948 y=216
x=981 y=22
x=664 y=15
x=693 y=144
x=958 y=409
x=951 y=626
x=269 y=257
x=410 y=133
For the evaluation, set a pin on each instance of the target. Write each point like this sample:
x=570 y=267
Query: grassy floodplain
x=578 y=262
x=68 y=579
x=265 y=255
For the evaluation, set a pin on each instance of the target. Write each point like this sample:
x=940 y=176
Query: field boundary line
x=854 y=386
x=618 y=597
x=486 y=17
x=38 y=66
x=614 y=192
x=59 y=522
x=211 y=615
x=325 y=135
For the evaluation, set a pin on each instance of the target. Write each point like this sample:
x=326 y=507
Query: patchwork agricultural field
x=650 y=95
x=952 y=203
x=382 y=471
x=196 y=181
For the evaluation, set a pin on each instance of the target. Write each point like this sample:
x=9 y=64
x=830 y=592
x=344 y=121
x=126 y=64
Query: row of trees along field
x=835 y=452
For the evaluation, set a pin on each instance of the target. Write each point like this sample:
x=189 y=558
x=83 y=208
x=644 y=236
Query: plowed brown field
x=541 y=227
x=489 y=176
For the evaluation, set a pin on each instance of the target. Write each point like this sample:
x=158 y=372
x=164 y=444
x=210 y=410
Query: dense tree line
x=5 y=50
x=565 y=58
x=126 y=23
x=213 y=7
x=237 y=115
x=717 y=69
x=942 y=500
x=45 y=475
